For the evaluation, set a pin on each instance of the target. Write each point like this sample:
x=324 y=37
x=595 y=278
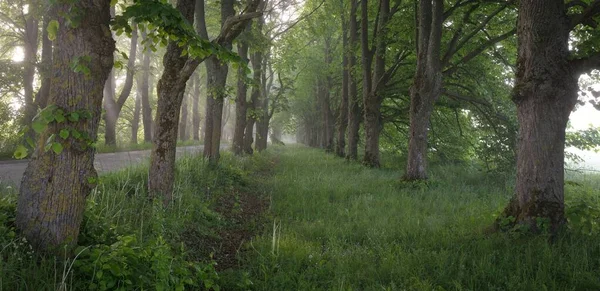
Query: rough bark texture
x=170 y=88
x=196 y=108
x=55 y=186
x=113 y=107
x=545 y=93
x=262 y=124
x=240 y=103
x=426 y=88
x=354 y=112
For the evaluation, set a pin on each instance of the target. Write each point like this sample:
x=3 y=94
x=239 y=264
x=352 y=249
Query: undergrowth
x=129 y=243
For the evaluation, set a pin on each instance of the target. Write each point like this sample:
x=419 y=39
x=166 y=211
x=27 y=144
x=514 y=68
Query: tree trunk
x=426 y=88
x=183 y=134
x=545 y=94
x=55 y=186
x=29 y=61
x=195 y=107
x=342 y=121
x=45 y=69
x=257 y=60
x=354 y=112
x=135 y=123
x=161 y=176
x=262 y=124
x=113 y=107
x=145 y=96
x=217 y=79
x=240 y=103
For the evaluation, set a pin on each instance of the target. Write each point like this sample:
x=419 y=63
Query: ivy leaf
x=52 y=29
x=21 y=152
x=38 y=126
x=64 y=133
x=74 y=117
x=57 y=147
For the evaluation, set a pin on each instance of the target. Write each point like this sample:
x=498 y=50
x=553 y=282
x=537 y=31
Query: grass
x=129 y=243
x=296 y=218
x=339 y=226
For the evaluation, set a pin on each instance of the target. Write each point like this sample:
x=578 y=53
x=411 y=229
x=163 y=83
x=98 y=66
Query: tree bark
x=144 y=93
x=342 y=121
x=113 y=107
x=545 y=94
x=262 y=124
x=257 y=60
x=183 y=133
x=41 y=98
x=354 y=111
x=135 y=123
x=170 y=88
x=29 y=62
x=55 y=186
x=426 y=88
x=195 y=107
x=240 y=103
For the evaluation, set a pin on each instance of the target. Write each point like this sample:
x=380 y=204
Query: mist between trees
x=485 y=83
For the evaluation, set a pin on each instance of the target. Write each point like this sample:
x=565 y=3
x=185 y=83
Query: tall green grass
x=340 y=226
x=130 y=243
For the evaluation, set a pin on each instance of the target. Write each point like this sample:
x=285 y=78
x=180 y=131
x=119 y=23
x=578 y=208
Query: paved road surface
x=11 y=172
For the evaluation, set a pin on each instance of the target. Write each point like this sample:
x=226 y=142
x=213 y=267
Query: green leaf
x=113 y=2
x=74 y=117
x=52 y=30
x=38 y=126
x=64 y=133
x=21 y=152
x=124 y=55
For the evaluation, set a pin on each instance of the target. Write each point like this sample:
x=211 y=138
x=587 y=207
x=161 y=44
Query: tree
x=144 y=86
x=432 y=67
x=354 y=108
x=342 y=121
x=545 y=93
x=56 y=182
x=114 y=107
x=178 y=68
x=241 y=106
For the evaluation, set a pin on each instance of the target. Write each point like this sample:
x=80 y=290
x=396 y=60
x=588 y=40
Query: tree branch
x=586 y=17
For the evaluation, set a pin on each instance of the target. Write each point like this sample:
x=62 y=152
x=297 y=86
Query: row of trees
x=431 y=63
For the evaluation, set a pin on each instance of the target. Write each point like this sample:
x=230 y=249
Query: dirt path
x=12 y=171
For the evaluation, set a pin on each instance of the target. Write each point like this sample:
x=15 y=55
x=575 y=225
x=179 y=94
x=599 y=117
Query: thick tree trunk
x=426 y=88
x=240 y=103
x=55 y=186
x=354 y=112
x=196 y=108
x=216 y=80
x=545 y=93
x=113 y=107
x=161 y=176
x=145 y=96
x=183 y=134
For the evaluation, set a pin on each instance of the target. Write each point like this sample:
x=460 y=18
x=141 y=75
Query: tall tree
x=196 y=107
x=433 y=65
x=31 y=42
x=342 y=120
x=183 y=121
x=56 y=183
x=354 y=110
x=545 y=93
x=241 y=106
x=144 y=87
x=114 y=107
x=178 y=68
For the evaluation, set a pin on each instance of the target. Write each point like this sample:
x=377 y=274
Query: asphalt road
x=12 y=171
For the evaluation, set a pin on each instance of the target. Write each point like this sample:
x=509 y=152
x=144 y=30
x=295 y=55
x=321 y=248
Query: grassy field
x=339 y=226
x=296 y=218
